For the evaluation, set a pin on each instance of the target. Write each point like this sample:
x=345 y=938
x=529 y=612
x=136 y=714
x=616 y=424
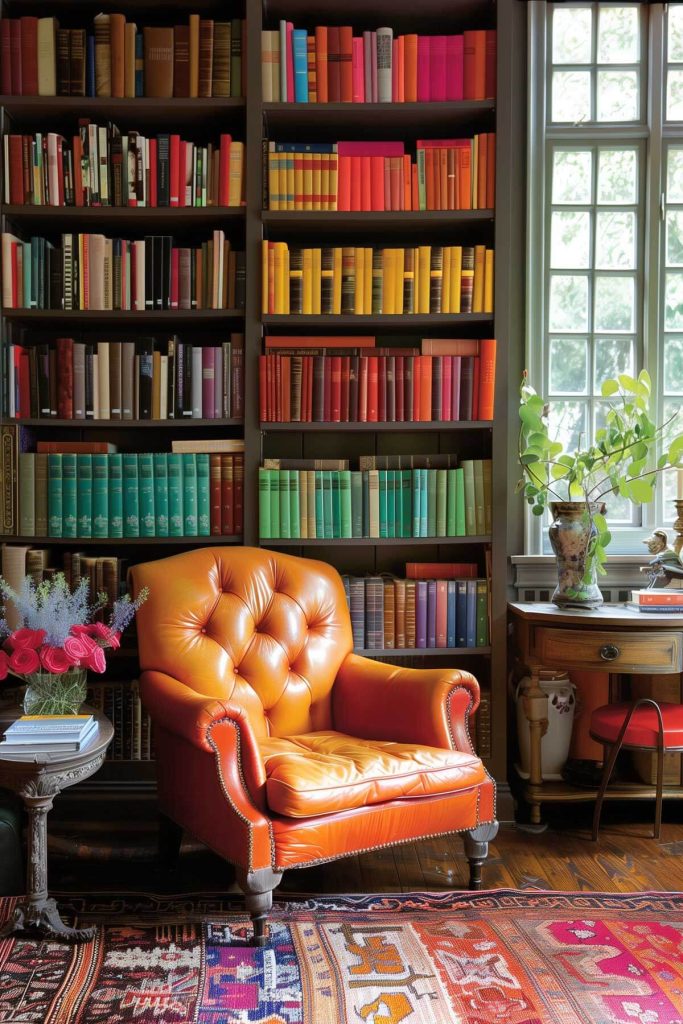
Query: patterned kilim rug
x=513 y=957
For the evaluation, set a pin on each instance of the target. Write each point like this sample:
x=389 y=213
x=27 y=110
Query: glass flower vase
x=49 y=694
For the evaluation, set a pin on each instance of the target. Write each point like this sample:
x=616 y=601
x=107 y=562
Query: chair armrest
x=373 y=700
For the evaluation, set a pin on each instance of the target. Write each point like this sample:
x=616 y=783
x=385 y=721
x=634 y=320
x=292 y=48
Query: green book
x=40 y=477
x=54 y=495
x=416 y=502
x=175 y=494
x=100 y=495
x=482 y=613
x=327 y=505
x=319 y=509
x=294 y=504
x=345 y=503
x=285 y=518
x=69 y=495
x=407 y=502
x=479 y=500
x=441 y=501
x=189 y=494
x=382 y=474
x=431 y=502
x=424 y=498
x=356 y=503
x=160 y=468
x=366 y=503
x=203 y=495
x=470 y=509
x=336 y=504
x=274 y=502
x=115 y=462
x=146 y=507
x=421 y=180
x=84 y=495
x=264 y=503
x=451 y=503
x=460 y=530
x=27 y=494
x=391 y=511
x=131 y=495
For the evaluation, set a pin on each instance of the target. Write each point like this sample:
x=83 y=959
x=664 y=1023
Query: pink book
x=454 y=67
x=358 y=67
x=370 y=148
x=367 y=65
x=290 y=63
x=394 y=71
x=455 y=388
x=446 y=385
x=208 y=381
x=437 y=69
x=423 y=83
x=373 y=54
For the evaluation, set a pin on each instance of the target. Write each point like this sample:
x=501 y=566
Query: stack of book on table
x=39 y=735
x=667 y=600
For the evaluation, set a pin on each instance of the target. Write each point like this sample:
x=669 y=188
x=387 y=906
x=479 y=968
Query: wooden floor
x=625 y=859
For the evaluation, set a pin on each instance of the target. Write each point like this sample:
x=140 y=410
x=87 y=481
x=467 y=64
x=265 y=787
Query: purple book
x=421 y=613
x=431 y=613
x=455 y=387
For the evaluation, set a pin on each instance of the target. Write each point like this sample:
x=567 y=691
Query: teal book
x=391 y=503
x=382 y=474
x=285 y=513
x=160 y=467
x=274 y=503
x=356 y=503
x=407 y=502
x=84 y=495
x=416 y=502
x=460 y=530
x=366 y=504
x=115 y=494
x=451 y=502
x=441 y=501
x=319 y=510
x=431 y=502
x=69 y=495
x=424 y=499
x=482 y=613
x=174 y=465
x=294 y=504
x=131 y=495
x=100 y=495
x=336 y=504
x=327 y=504
x=189 y=494
x=54 y=495
x=203 y=495
x=264 y=504
x=346 y=503
x=27 y=494
x=146 y=507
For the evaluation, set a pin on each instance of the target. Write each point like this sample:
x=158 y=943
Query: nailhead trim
x=242 y=817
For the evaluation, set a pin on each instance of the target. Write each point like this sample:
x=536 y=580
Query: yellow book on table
x=479 y=271
x=308 y=281
x=455 y=278
x=488 y=281
x=388 y=281
x=317 y=280
x=359 y=280
x=424 y=257
x=337 y=280
x=399 y=264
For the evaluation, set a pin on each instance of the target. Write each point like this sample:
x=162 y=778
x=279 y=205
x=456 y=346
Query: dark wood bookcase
x=252 y=120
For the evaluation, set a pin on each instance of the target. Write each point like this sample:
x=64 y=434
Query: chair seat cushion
x=323 y=772
x=643 y=729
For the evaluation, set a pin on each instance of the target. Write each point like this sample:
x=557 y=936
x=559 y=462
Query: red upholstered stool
x=640 y=725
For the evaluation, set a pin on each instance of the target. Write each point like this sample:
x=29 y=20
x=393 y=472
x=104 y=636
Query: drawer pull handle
x=609 y=652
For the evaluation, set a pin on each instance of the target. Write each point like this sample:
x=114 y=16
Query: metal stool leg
x=660 y=774
x=604 y=781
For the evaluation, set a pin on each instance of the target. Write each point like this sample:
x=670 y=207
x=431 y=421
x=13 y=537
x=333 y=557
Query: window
x=605 y=199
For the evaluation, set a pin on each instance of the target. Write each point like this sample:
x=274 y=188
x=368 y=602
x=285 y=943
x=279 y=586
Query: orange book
x=464 y=178
x=490 y=170
x=396 y=179
x=450 y=346
x=425 y=388
x=487 y=377
x=417 y=388
x=474 y=61
x=117 y=23
x=451 y=191
x=410 y=68
x=415 y=202
x=319 y=341
x=482 y=157
x=321 y=63
x=479 y=277
x=377 y=183
x=366 y=183
x=443 y=180
x=406 y=205
x=401 y=70
x=345 y=63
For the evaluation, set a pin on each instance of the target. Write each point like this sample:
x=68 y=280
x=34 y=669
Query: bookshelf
x=251 y=119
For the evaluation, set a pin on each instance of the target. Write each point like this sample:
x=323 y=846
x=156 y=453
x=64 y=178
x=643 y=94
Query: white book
x=385 y=40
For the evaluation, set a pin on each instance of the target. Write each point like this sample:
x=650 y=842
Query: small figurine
x=664 y=558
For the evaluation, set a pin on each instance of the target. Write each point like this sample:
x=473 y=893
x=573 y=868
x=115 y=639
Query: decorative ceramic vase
x=48 y=694
x=561 y=694
x=570 y=535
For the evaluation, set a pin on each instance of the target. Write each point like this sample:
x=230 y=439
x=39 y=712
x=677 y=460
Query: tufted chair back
x=265 y=631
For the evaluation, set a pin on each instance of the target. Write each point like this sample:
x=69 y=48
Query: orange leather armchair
x=276 y=745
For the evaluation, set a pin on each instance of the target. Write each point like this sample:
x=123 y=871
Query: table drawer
x=617 y=651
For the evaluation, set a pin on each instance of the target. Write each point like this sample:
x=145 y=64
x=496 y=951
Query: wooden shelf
x=317 y=542
x=374 y=428
x=381 y=118
x=422 y=652
x=125 y=541
x=128 y=424
x=160 y=218
x=122 y=317
x=387 y=222
x=563 y=792
x=395 y=321
x=148 y=110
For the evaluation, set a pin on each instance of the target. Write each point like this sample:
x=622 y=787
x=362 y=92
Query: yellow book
x=488 y=282
x=297 y=162
x=337 y=280
x=424 y=256
x=416 y=278
x=456 y=278
x=399 y=265
x=316 y=162
x=367 y=281
x=265 y=272
x=332 y=192
x=478 y=286
x=388 y=281
x=287 y=280
x=446 y=287
x=236 y=171
x=324 y=182
x=308 y=181
x=359 y=280
x=279 y=277
x=308 y=281
x=317 y=279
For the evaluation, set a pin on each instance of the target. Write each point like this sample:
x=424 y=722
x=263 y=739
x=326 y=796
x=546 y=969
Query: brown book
x=102 y=55
x=129 y=60
x=115 y=380
x=75 y=447
x=389 y=615
x=77 y=61
x=63 y=61
x=181 y=60
x=221 y=59
x=205 y=57
x=410 y=614
x=127 y=380
x=9 y=481
x=117 y=31
x=194 y=55
x=158 y=62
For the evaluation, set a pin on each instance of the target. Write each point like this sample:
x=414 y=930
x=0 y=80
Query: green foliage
x=623 y=459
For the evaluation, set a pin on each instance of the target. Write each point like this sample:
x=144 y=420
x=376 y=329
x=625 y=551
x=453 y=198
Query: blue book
x=300 y=50
x=431 y=613
x=471 y=626
x=461 y=613
x=450 y=614
x=139 y=65
x=90 y=64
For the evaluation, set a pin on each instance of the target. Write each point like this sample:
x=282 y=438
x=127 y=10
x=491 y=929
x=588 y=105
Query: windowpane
x=568 y=366
x=615 y=242
x=674 y=176
x=569 y=303
x=673 y=302
x=618 y=35
x=570 y=240
x=674 y=95
x=617 y=176
x=572 y=41
x=675 y=32
x=567 y=422
x=572 y=176
x=571 y=96
x=672 y=383
x=674 y=238
x=612 y=357
x=617 y=95
x=614 y=303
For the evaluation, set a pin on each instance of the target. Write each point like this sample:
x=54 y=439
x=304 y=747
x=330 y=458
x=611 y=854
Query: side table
x=38 y=779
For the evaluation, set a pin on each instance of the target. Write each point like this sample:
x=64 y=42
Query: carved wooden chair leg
x=476 y=843
x=258 y=887
x=170 y=840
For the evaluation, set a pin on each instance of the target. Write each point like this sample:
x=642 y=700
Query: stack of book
x=331 y=65
x=388 y=496
x=129 y=380
x=94 y=272
x=120 y=702
x=38 y=736
x=368 y=280
x=114 y=58
x=659 y=600
x=447 y=174
x=304 y=379
x=102 y=167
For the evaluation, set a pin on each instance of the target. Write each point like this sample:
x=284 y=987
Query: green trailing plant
x=623 y=459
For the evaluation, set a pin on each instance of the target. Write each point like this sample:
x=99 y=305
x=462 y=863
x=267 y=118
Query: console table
x=612 y=639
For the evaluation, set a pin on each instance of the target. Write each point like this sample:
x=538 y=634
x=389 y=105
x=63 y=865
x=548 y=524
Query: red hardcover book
x=327 y=389
x=227 y=495
x=475 y=388
x=75 y=447
x=60 y=171
x=358 y=70
x=183 y=148
x=320 y=341
x=346 y=64
x=215 y=492
x=423 y=65
x=363 y=390
x=345 y=376
x=441 y=570
x=262 y=392
x=29 y=56
x=277 y=388
x=333 y=64
x=455 y=387
x=289 y=34
x=224 y=170
x=490 y=65
x=446 y=386
x=356 y=183
x=417 y=388
x=394 y=70
x=425 y=388
x=175 y=276
x=399 y=385
x=239 y=493
x=381 y=389
x=487 y=377
x=321 y=63
x=174 y=170
x=336 y=388
x=376 y=183
x=5 y=58
x=454 y=67
x=152 y=197
x=366 y=183
x=65 y=378
x=474 y=65
x=373 y=389
x=15 y=63
x=16 y=170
